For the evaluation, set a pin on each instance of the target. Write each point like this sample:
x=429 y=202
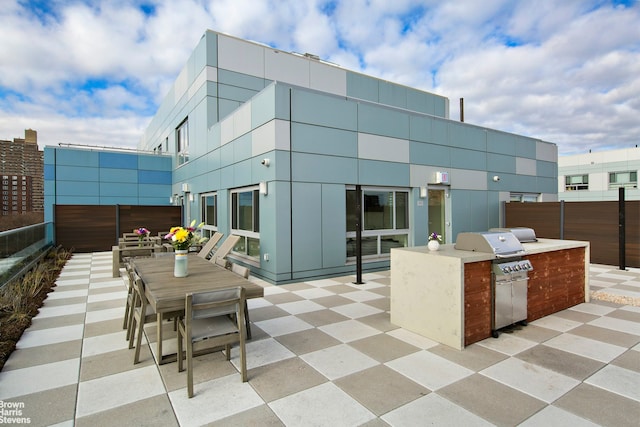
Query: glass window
x=627 y=179
x=385 y=218
x=524 y=197
x=576 y=182
x=182 y=140
x=209 y=203
x=245 y=221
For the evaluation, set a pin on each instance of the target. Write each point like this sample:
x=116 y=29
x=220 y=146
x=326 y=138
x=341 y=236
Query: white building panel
x=468 y=180
x=376 y=147
x=226 y=130
x=240 y=56
x=242 y=120
x=181 y=85
x=328 y=78
x=525 y=166
x=273 y=135
x=546 y=151
x=285 y=67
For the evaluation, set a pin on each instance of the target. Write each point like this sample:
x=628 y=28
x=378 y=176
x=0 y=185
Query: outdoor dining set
x=207 y=308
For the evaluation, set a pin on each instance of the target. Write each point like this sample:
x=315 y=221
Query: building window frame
x=524 y=197
x=389 y=227
x=244 y=212
x=623 y=179
x=182 y=141
x=209 y=204
x=576 y=182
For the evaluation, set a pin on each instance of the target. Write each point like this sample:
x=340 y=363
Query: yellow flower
x=181 y=235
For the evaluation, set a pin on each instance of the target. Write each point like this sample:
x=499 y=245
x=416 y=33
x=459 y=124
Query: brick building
x=21 y=170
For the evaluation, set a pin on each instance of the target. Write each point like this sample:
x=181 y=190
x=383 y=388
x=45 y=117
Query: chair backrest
x=140 y=299
x=240 y=270
x=215 y=303
x=211 y=243
x=221 y=262
x=226 y=247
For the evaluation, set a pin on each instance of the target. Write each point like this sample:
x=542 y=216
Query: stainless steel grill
x=510 y=273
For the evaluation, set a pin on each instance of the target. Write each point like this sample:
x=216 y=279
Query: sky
x=95 y=71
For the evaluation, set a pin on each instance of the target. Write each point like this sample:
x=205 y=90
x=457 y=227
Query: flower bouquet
x=182 y=238
x=142 y=233
x=434 y=241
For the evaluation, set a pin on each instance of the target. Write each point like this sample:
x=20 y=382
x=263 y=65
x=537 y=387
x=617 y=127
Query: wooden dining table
x=167 y=294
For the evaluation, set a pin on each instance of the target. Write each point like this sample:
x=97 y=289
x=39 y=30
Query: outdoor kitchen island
x=446 y=295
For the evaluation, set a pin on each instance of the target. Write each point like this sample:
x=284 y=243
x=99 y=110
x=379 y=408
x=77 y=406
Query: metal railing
x=21 y=246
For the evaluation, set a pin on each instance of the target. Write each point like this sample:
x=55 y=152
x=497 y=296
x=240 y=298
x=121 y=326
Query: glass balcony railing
x=21 y=246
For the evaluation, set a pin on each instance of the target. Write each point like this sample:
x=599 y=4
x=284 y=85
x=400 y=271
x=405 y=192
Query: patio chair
x=205 y=252
x=244 y=272
x=142 y=313
x=128 y=309
x=222 y=262
x=225 y=247
x=207 y=318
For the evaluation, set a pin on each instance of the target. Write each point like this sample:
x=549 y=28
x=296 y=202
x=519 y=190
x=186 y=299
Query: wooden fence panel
x=85 y=228
x=544 y=218
x=595 y=222
x=91 y=228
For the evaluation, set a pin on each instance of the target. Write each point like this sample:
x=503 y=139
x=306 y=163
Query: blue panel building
x=272 y=146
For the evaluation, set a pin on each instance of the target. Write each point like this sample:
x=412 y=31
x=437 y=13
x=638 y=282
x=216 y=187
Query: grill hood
x=500 y=243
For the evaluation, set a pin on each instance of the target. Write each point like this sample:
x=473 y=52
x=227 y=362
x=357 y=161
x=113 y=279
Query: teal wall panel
x=314 y=167
x=155 y=163
x=383 y=121
x=421 y=153
x=242 y=148
x=420 y=101
x=420 y=128
x=467 y=137
x=392 y=94
x=323 y=140
x=501 y=163
x=323 y=110
x=440 y=132
x=78 y=200
x=79 y=173
x=373 y=172
x=283 y=102
x=232 y=78
x=307 y=236
x=362 y=87
x=118 y=175
x=234 y=93
x=500 y=142
x=547 y=169
x=226 y=107
x=77 y=188
x=73 y=157
x=525 y=147
x=469 y=211
x=468 y=159
x=212 y=48
x=263 y=107
x=118 y=160
x=112 y=189
x=334 y=229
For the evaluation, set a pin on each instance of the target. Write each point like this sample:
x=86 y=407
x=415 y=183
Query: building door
x=439 y=217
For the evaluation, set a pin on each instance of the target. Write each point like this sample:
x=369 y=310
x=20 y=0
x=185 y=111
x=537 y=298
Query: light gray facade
x=598 y=176
x=270 y=145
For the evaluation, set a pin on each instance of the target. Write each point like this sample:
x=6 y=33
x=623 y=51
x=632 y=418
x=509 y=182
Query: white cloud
x=567 y=72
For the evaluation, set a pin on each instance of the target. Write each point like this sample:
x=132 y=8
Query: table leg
x=159 y=337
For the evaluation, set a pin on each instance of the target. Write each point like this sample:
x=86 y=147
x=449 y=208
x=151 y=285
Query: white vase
x=181 y=265
x=433 y=245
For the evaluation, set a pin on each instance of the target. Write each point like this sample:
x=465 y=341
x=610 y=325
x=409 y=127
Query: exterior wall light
x=423 y=192
x=263 y=188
